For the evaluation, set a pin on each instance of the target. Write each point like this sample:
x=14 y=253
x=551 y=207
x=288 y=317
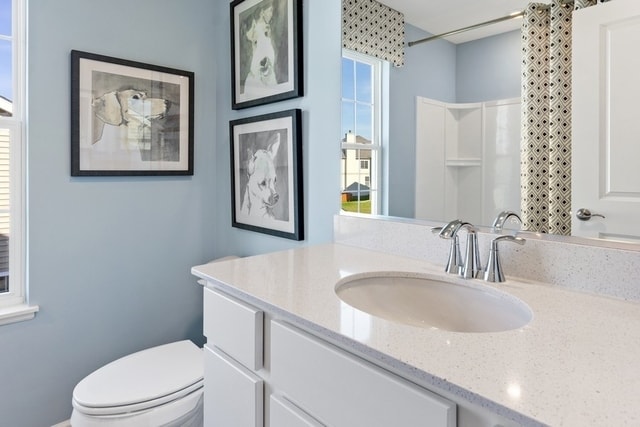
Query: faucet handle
x=451 y=229
x=471 y=266
x=509 y=238
x=494 y=273
x=454 y=261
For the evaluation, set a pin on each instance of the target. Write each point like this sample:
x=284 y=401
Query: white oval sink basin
x=422 y=300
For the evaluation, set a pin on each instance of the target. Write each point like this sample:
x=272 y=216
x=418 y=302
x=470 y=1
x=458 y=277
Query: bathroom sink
x=427 y=301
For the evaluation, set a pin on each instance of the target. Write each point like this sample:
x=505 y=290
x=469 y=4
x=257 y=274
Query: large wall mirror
x=465 y=92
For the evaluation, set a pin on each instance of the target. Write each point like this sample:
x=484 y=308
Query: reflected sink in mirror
x=430 y=302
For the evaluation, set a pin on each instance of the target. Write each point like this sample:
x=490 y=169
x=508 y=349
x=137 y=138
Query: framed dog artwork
x=129 y=118
x=266 y=51
x=266 y=174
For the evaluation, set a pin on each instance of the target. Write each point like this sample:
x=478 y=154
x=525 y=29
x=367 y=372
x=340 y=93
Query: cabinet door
x=233 y=394
x=285 y=414
x=234 y=326
x=342 y=390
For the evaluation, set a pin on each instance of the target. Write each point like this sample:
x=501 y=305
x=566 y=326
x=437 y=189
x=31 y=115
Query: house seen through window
x=360 y=162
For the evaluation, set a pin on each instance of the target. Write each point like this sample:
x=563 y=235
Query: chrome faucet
x=471 y=267
x=502 y=218
x=494 y=269
x=454 y=261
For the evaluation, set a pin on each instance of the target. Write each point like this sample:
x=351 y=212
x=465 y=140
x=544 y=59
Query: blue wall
x=429 y=71
x=321 y=134
x=109 y=258
x=489 y=68
x=481 y=70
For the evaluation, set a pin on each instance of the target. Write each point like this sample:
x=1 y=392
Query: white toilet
x=160 y=386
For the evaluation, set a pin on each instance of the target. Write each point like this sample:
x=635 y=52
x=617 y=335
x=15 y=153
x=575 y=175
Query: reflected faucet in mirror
x=502 y=218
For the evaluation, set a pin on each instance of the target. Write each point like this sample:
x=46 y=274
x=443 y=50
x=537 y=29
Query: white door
x=606 y=120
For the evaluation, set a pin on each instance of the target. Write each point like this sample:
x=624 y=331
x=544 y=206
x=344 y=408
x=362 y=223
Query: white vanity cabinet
x=234 y=393
x=342 y=390
x=283 y=413
x=302 y=381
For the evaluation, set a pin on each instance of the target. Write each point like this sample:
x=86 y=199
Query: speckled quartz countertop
x=575 y=364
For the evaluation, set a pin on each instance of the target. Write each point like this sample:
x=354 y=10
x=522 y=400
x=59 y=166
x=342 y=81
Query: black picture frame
x=266 y=174
x=266 y=51
x=129 y=118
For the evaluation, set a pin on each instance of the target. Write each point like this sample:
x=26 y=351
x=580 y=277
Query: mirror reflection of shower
x=467 y=158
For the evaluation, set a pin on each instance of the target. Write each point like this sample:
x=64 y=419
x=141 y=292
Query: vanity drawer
x=243 y=407
x=340 y=389
x=285 y=414
x=233 y=326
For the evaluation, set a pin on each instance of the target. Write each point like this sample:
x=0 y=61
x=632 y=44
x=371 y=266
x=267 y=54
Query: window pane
x=348 y=90
x=4 y=210
x=359 y=175
x=348 y=118
x=5 y=17
x=355 y=181
x=364 y=124
x=363 y=82
x=6 y=86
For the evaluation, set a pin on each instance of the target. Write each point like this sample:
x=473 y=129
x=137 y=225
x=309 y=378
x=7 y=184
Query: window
x=12 y=94
x=361 y=127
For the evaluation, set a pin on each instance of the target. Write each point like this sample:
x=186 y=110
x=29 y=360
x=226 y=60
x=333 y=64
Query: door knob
x=584 y=214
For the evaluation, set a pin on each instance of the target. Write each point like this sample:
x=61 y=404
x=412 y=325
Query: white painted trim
x=376 y=146
x=14 y=305
x=17 y=313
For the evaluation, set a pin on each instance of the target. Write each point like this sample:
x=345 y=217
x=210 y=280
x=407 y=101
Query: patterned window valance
x=374 y=29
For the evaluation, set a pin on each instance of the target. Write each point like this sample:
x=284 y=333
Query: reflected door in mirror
x=606 y=120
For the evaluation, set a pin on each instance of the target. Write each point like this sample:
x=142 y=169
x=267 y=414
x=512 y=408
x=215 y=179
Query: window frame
x=14 y=305
x=376 y=146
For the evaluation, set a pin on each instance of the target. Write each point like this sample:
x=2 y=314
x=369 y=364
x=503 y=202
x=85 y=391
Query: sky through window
x=6 y=75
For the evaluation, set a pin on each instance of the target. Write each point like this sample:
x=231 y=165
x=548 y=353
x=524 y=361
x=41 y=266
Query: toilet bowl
x=160 y=386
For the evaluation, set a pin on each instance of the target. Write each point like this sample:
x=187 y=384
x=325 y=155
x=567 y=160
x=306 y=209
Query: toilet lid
x=142 y=377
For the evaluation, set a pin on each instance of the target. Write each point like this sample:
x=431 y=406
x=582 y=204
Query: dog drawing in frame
x=260 y=194
x=262 y=72
x=130 y=108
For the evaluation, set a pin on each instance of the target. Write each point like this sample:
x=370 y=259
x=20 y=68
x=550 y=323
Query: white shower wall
x=467 y=159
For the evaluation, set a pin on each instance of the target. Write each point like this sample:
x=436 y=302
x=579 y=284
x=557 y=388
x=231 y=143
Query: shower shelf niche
x=466 y=159
x=465 y=162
